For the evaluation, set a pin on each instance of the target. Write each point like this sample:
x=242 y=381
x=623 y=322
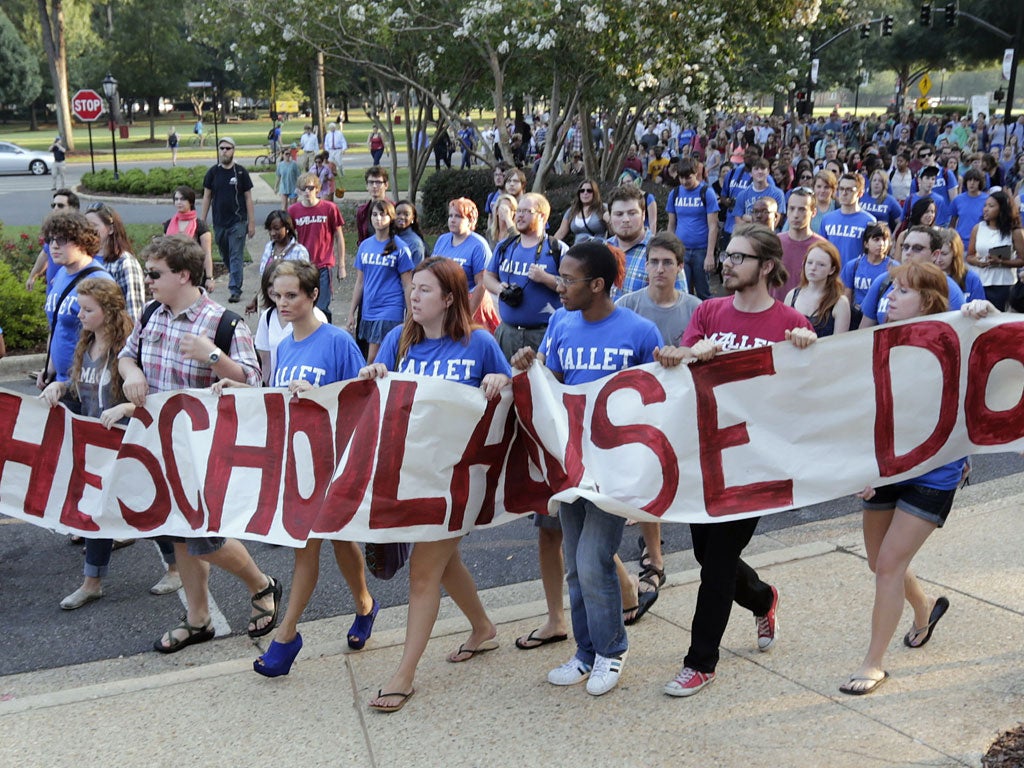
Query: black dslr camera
x=512 y=294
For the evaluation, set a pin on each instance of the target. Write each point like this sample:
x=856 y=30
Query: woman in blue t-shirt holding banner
x=439 y=340
x=314 y=354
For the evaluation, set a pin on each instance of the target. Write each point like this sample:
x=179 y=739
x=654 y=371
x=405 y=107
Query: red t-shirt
x=793 y=253
x=315 y=226
x=719 y=321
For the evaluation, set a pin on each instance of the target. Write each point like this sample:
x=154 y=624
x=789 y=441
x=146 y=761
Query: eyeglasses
x=375 y=182
x=527 y=211
x=915 y=248
x=308 y=188
x=58 y=205
x=736 y=258
x=850 y=190
x=926 y=156
x=155 y=274
x=178 y=199
x=226 y=149
x=564 y=281
x=586 y=190
x=60 y=242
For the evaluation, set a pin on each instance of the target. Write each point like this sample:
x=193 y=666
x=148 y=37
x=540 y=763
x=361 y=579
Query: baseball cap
x=226 y=140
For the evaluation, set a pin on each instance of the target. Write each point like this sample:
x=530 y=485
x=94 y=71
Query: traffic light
x=887 y=22
x=950 y=14
x=926 y=14
x=865 y=31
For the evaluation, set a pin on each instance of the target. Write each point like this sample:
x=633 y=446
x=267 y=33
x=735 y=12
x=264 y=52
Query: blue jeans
x=231 y=244
x=590 y=539
x=97 y=555
x=696 y=277
x=323 y=299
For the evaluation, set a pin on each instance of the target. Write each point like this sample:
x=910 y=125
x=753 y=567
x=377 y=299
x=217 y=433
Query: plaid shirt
x=128 y=275
x=162 y=362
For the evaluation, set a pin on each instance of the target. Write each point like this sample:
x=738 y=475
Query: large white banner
x=414 y=459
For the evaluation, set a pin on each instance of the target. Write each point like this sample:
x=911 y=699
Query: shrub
x=446 y=185
x=24 y=323
x=158 y=182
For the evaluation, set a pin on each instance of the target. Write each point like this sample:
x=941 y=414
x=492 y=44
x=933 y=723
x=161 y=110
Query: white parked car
x=15 y=159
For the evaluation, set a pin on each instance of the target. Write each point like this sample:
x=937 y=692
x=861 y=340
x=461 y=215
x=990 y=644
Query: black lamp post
x=110 y=91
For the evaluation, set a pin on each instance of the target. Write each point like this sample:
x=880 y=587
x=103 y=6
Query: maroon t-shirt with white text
x=719 y=321
x=315 y=226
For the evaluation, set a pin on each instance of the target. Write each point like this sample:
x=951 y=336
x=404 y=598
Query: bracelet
x=208 y=278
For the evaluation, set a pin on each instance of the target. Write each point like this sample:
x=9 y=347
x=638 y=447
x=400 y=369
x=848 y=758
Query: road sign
x=87 y=105
x=924 y=85
x=923 y=103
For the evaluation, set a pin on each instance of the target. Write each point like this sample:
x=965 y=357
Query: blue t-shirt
x=417 y=248
x=877 y=308
x=944 y=478
x=51 y=266
x=846 y=232
x=860 y=273
x=973 y=288
x=539 y=301
x=68 y=326
x=327 y=355
x=446 y=358
x=945 y=183
x=737 y=180
x=888 y=211
x=691 y=207
x=583 y=351
x=383 y=294
x=746 y=199
x=473 y=254
x=967 y=209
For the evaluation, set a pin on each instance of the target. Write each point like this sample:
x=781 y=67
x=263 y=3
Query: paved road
x=38 y=568
x=25 y=200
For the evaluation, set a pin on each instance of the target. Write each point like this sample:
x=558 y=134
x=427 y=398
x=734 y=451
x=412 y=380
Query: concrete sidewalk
x=943 y=706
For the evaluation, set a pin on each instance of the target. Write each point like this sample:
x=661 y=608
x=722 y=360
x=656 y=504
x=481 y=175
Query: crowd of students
x=795 y=265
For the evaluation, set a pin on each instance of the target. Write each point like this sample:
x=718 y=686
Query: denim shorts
x=374 y=331
x=929 y=504
x=550 y=522
x=202 y=546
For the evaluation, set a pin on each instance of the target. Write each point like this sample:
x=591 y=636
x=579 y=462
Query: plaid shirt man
x=162 y=362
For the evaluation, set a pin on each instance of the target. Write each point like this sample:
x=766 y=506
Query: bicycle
x=268 y=159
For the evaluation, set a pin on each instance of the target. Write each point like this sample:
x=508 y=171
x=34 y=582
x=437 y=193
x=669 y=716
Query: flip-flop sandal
x=484 y=647
x=403 y=700
x=195 y=634
x=849 y=691
x=362 y=628
x=938 y=611
x=647 y=599
x=531 y=641
x=273 y=588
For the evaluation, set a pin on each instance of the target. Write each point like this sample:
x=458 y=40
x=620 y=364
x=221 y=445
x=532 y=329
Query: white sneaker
x=605 y=674
x=171 y=582
x=572 y=672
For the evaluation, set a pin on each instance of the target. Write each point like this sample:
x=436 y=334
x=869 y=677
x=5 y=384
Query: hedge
x=24 y=324
x=157 y=182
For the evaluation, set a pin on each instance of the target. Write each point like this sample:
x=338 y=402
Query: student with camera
x=523 y=274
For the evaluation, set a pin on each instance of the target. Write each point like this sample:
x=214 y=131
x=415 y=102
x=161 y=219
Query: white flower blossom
x=357 y=13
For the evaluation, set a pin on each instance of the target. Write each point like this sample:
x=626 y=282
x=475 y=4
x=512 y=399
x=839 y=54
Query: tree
x=52 y=20
x=19 y=74
x=148 y=53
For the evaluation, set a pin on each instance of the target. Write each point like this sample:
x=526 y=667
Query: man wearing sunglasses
x=319 y=227
x=62 y=201
x=228 y=189
x=175 y=346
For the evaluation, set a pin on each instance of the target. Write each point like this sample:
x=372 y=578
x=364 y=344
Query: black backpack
x=222 y=338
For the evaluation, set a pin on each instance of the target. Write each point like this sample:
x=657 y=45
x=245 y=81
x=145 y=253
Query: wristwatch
x=214 y=357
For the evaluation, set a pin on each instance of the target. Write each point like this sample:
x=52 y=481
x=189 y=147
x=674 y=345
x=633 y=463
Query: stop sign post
x=87 y=106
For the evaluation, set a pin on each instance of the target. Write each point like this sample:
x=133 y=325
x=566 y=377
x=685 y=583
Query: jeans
x=590 y=538
x=97 y=555
x=375 y=156
x=231 y=244
x=724 y=577
x=323 y=299
x=696 y=277
x=467 y=158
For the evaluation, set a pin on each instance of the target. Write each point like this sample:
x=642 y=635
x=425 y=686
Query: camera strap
x=514 y=242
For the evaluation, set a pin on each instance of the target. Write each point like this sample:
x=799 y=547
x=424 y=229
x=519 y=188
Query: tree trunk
x=498 y=96
x=52 y=22
x=154 y=110
x=319 y=106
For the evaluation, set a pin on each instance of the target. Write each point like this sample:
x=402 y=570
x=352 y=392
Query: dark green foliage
x=157 y=182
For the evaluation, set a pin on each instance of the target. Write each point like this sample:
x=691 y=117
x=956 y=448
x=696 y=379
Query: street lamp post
x=110 y=91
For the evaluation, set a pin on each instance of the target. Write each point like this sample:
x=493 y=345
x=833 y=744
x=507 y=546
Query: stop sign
x=87 y=105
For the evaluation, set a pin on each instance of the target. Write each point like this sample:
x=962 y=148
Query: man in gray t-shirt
x=660 y=302
x=670 y=309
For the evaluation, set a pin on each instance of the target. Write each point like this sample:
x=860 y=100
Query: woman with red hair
x=437 y=330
